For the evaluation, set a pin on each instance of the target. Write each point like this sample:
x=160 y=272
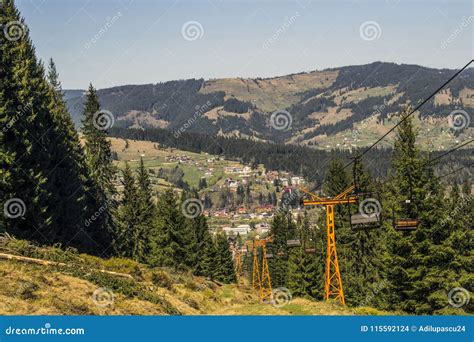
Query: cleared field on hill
x=272 y=93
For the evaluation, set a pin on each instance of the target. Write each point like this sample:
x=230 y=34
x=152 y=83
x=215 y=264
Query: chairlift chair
x=369 y=208
x=293 y=243
x=404 y=224
x=366 y=219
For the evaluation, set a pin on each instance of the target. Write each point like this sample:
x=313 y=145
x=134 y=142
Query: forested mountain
x=301 y=160
x=334 y=107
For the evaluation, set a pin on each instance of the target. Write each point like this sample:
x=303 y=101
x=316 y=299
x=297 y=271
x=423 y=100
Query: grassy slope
x=272 y=93
x=48 y=290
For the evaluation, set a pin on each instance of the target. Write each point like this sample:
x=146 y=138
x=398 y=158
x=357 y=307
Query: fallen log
x=55 y=263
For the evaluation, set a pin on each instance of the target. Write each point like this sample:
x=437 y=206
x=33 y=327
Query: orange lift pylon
x=332 y=277
x=238 y=263
x=261 y=281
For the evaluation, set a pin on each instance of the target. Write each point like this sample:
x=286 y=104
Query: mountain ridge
x=332 y=106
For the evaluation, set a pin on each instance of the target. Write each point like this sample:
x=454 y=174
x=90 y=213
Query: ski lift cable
x=454 y=171
x=409 y=114
x=447 y=152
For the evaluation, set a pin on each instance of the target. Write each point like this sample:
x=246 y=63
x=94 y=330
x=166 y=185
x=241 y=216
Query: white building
x=243 y=229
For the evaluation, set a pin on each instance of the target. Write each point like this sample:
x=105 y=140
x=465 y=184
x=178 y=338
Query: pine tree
x=72 y=176
x=39 y=161
x=131 y=236
x=205 y=248
x=26 y=161
x=99 y=162
x=97 y=147
x=225 y=271
x=278 y=265
x=170 y=236
x=147 y=209
x=305 y=274
x=206 y=256
x=417 y=261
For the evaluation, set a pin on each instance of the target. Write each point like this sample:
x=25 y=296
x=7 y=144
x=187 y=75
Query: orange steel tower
x=238 y=263
x=332 y=277
x=261 y=281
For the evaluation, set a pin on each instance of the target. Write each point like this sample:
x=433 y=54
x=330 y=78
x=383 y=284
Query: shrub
x=162 y=279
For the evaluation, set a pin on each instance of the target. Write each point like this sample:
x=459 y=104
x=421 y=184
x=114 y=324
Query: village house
x=242 y=229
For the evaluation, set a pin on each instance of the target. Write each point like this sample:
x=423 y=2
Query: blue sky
x=116 y=42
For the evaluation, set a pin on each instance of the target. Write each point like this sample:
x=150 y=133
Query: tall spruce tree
x=170 y=236
x=278 y=265
x=73 y=167
x=99 y=162
x=225 y=271
x=131 y=237
x=306 y=270
x=146 y=205
x=97 y=147
x=205 y=249
x=40 y=168
x=417 y=260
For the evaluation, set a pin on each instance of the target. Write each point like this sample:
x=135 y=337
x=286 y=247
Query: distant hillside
x=347 y=106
